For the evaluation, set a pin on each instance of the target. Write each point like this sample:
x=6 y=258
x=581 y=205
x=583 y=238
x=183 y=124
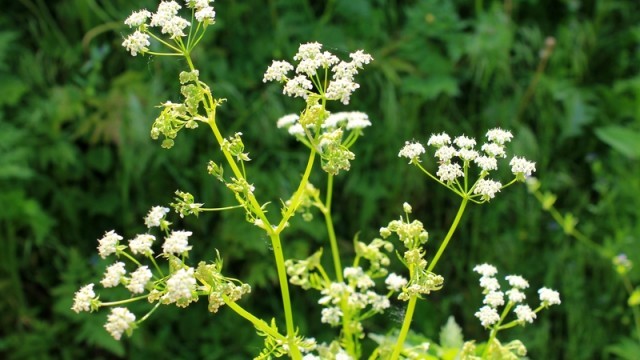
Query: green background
x=76 y=160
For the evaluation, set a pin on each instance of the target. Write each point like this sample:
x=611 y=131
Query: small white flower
x=113 y=274
x=277 y=71
x=350 y=119
x=308 y=51
x=524 y=313
x=180 y=286
x=206 y=15
x=308 y=67
x=517 y=281
x=378 y=302
x=331 y=316
x=177 y=243
x=137 y=18
x=486 y=270
x=310 y=357
x=142 y=244
x=341 y=89
x=406 y=207
x=467 y=154
x=357 y=120
x=494 y=150
x=445 y=153
x=138 y=42
x=155 y=216
x=82 y=299
x=395 y=282
x=487 y=315
x=119 y=321
x=549 y=296
x=287 y=121
x=439 y=140
x=449 y=172
x=489 y=283
x=166 y=11
x=486 y=163
x=487 y=188
x=175 y=26
x=296 y=130
x=521 y=166
x=298 y=87
x=139 y=280
x=464 y=142
x=108 y=243
x=360 y=57
x=344 y=71
x=411 y=150
x=494 y=299
x=499 y=136
x=516 y=296
x=198 y=4
x=352 y=273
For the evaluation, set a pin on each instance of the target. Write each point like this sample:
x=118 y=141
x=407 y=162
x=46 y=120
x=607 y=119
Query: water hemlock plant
x=155 y=267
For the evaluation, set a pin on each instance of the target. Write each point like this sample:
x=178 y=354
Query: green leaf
x=625 y=349
x=622 y=139
x=451 y=334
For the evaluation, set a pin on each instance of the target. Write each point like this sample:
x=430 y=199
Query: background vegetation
x=76 y=160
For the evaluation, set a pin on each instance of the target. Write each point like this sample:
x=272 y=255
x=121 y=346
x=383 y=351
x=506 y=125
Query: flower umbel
x=456 y=158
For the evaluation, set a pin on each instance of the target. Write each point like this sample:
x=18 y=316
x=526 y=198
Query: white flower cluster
x=83 y=298
x=177 y=243
x=108 y=244
x=494 y=297
x=167 y=19
x=139 y=279
x=455 y=156
x=155 y=216
x=311 y=59
x=181 y=288
x=119 y=321
x=355 y=293
x=349 y=120
x=113 y=275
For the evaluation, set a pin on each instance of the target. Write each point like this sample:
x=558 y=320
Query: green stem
x=408 y=315
x=326 y=211
x=122 y=302
x=297 y=197
x=257 y=323
x=444 y=244
x=274 y=234
x=284 y=290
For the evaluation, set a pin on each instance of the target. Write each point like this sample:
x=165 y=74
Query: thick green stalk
x=284 y=289
x=326 y=211
x=408 y=315
x=444 y=244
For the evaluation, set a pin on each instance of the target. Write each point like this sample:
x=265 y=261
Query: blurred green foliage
x=76 y=160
